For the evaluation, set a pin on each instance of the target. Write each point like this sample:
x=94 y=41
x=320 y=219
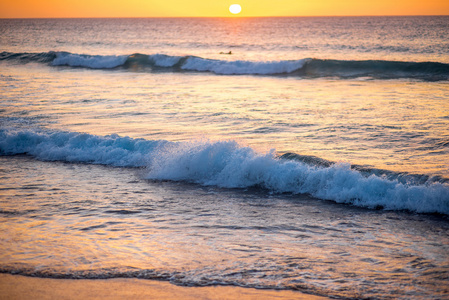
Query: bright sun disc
x=235 y=8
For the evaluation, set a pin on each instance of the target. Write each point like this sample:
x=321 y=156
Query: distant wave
x=227 y=164
x=306 y=67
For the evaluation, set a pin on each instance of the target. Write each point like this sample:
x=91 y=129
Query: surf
x=301 y=68
x=227 y=164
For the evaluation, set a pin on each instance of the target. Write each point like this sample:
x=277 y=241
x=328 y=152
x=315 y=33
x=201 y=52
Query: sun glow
x=201 y=8
x=235 y=9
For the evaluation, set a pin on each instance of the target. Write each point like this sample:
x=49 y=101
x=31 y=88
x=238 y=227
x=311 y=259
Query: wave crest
x=229 y=165
x=305 y=67
x=226 y=164
x=89 y=61
x=110 y=150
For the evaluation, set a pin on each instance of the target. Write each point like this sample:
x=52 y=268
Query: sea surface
x=307 y=154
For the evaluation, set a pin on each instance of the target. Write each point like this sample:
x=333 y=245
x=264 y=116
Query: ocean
x=306 y=154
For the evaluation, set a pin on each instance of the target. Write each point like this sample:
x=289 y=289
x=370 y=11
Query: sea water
x=313 y=157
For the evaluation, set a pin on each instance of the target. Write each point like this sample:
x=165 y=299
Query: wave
x=306 y=67
x=229 y=165
x=111 y=150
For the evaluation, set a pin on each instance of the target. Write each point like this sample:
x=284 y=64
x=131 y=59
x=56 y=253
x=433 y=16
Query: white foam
x=242 y=67
x=110 y=150
x=89 y=61
x=227 y=164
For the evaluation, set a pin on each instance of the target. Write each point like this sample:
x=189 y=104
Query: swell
x=306 y=67
x=229 y=165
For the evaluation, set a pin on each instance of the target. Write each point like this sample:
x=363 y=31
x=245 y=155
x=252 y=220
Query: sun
x=235 y=9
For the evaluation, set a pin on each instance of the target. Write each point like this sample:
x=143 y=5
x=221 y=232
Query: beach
x=21 y=287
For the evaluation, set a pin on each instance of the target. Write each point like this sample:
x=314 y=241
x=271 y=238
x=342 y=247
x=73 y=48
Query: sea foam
x=303 y=67
x=242 y=67
x=226 y=164
x=230 y=165
x=89 y=61
x=110 y=150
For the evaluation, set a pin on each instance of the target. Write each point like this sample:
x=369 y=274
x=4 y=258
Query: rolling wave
x=307 y=67
x=229 y=165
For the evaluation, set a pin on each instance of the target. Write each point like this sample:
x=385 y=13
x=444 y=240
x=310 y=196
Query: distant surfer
x=227 y=53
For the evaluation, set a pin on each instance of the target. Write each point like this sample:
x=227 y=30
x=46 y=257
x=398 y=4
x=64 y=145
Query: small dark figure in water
x=230 y=52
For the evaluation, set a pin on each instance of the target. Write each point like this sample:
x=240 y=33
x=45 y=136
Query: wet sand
x=22 y=287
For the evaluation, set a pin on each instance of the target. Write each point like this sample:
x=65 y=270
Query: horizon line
x=230 y=17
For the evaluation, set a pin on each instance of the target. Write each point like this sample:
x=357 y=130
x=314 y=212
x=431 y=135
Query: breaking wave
x=230 y=165
x=306 y=67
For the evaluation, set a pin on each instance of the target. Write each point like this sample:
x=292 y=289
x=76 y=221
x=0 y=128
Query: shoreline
x=24 y=287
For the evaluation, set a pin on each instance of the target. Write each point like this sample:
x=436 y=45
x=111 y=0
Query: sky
x=216 y=8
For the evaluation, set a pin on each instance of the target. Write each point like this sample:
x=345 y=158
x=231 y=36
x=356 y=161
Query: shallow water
x=103 y=222
x=313 y=158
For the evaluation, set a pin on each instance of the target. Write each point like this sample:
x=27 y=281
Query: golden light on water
x=235 y=9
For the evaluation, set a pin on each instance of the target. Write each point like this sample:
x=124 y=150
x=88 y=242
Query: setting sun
x=203 y=8
x=235 y=9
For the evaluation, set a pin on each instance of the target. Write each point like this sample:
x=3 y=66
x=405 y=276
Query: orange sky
x=216 y=8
